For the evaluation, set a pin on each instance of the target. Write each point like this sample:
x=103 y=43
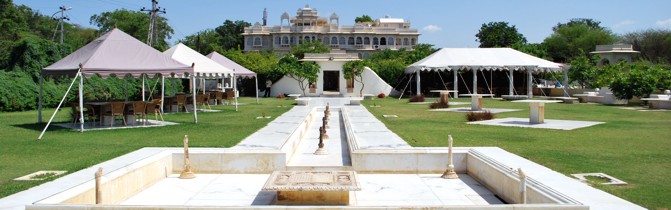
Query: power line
x=153 y=12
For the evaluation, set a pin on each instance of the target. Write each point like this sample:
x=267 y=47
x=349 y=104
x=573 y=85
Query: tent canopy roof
x=482 y=59
x=203 y=66
x=117 y=53
x=240 y=71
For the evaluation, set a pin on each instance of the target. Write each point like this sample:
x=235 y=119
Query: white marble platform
x=370 y=132
x=376 y=190
x=549 y=124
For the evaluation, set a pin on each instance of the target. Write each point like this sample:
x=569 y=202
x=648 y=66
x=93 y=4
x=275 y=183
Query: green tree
x=535 y=49
x=654 y=44
x=136 y=24
x=303 y=72
x=419 y=52
x=499 y=34
x=353 y=70
x=638 y=79
x=583 y=69
x=263 y=63
x=575 y=38
x=31 y=53
x=205 y=41
x=231 y=34
x=309 y=47
x=363 y=19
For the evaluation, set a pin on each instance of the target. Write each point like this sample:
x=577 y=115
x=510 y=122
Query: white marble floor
x=377 y=190
x=549 y=124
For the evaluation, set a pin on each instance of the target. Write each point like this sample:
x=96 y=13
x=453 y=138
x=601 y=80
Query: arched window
x=250 y=42
x=342 y=41
x=391 y=41
x=257 y=41
x=350 y=40
x=413 y=41
x=376 y=41
x=366 y=41
x=326 y=40
x=334 y=40
x=292 y=40
x=307 y=39
x=406 y=41
x=383 y=41
x=605 y=62
x=285 y=40
x=358 y=40
x=278 y=40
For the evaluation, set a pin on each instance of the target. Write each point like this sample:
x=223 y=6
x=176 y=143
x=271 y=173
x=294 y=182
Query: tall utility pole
x=155 y=9
x=61 y=19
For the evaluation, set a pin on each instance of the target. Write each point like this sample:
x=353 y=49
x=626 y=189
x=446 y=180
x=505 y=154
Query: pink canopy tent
x=114 y=53
x=240 y=71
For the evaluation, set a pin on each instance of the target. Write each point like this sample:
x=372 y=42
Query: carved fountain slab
x=312 y=187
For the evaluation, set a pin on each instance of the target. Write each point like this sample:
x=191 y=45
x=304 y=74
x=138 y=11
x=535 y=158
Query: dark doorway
x=331 y=81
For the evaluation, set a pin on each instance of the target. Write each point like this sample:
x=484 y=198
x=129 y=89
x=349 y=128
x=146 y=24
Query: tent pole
x=419 y=88
x=39 y=102
x=162 y=91
x=475 y=80
x=456 y=85
x=566 y=82
x=530 y=93
x=81 y=102
x=142 y=75
x=406 y=86
x=484 y=77
x=510 y=81
x=235 y=90
x=193 y=97
x=59 y=105
x=256 y=80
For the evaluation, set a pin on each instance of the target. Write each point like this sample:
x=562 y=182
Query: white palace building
x=361 y=38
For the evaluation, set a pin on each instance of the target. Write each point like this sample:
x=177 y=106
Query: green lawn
x=62 y=149
x=633 y=146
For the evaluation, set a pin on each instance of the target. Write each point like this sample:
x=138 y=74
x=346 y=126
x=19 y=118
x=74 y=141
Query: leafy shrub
x=477 y=116
x=439 y=105
x=640 y=80
x=417 y=98
x=381 y=95
x=18 y=92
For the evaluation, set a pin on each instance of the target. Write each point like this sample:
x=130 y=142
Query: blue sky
x=443 y=23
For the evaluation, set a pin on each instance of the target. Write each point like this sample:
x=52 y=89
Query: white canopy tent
x=113 y=53
x=475 y=59
x=204 y=67
x=240 y=71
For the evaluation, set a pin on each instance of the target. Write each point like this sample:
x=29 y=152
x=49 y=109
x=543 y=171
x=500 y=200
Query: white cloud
x=664 y=23
x=432 y=28
x=624 y=23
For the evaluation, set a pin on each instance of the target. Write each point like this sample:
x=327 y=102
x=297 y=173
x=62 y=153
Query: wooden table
x=537 y=109
x=444 y=94
x=99 y=108
x=476 y=100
